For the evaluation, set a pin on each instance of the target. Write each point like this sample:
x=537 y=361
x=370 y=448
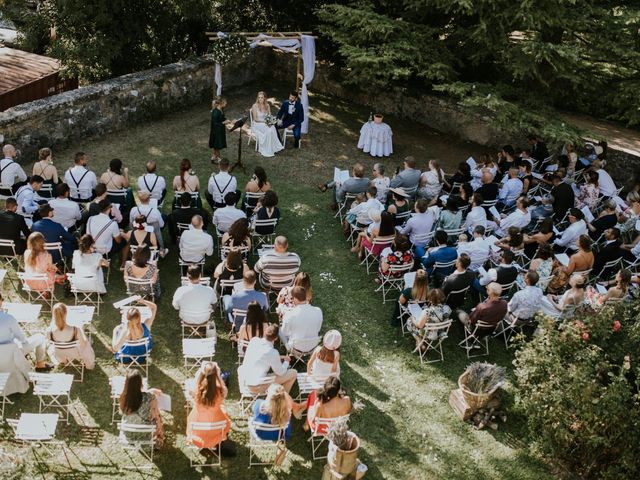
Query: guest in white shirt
x=478 y=249
x=477 y=215
x=220 y=185
x=361 y=209
x=520 y=217
x=419 y=224
x=27 y=197
x=81 y=180
x=195 y=243
x=194 y=301
x=511 y=189
x=223 y=218
x=153 y=183
x=605 y=183
x=568 y=241
x=260 y=358
x=153 y=216
x=10 y=171
x=104 y=230
x=381 y=182
x=65 y=212
x=301 y=325
x=526 y=303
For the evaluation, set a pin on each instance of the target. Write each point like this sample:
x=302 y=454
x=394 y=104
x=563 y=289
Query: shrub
x=578 y=387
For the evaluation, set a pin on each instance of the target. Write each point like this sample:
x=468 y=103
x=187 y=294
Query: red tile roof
x=19 y=68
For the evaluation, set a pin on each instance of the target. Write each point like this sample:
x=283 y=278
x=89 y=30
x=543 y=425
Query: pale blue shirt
x=419 y=224
x=526 y=303
x=25 y=196
x=10 y=329
x=510 y=191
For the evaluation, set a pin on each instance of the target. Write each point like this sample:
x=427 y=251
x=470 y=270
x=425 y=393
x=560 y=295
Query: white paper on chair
x=482 y=271
x=340 y=176
x=601 y=288
x=472 y=163
x=494 y=211
x=126 y=301
x=563 y=258
x=537 y=175
x=164 y=402
x=588 y=216
x=444 y=198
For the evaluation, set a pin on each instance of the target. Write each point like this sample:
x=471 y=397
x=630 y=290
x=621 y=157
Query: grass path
x=407 y=429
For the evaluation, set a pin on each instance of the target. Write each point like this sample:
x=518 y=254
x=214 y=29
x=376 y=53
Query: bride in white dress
x=266 y=136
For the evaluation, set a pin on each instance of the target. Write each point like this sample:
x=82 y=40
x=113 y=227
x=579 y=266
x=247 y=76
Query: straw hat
x=399 y=191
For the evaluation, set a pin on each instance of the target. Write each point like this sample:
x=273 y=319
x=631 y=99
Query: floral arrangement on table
x=227 y=48
x=270 y=120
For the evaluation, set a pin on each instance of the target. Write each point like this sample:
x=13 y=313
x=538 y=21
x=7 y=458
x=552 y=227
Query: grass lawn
x=407 y=428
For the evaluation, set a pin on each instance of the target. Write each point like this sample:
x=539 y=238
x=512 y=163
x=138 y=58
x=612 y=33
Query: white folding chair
x=433 y=334
x=309 y=383
x=401 y=218
x=56 y=248
x=250 y=133
x=241 y=346
x=80 y=195
x=220 y=286
x=4 y=378
x=11 y=262
x=247 y=396
x=76 y=364
x=207 y=427
x=318 y=430
x=424 y=239
x=224 y=251
x=258 y=446
x=181 y=227
x=206 y=281
x=45 y=295
x=155 y=255
x=411 y=192
x=83 y=296
x=5 y=187
x=259 y=239
x=116 y=386
x=445 y=267
x=196 y=351
x=250 y=201
x=36 y=430
x=53 y=391
x=456 y=294
x=509 y=326
x=138 y=438
x=393 y=280
x=288 y=133
x=302 y=349
x=184 y=265
x=343 y=206
x=139 y=360
x=198 y=330
x=369 y=258
x=139 y=286
x=477 y=337
x=118 y=196
x=238 y=316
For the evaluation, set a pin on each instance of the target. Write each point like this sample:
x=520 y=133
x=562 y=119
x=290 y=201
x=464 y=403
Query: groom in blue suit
x=291 y=116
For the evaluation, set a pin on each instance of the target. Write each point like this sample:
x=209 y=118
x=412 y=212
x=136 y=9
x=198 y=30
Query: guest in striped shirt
x=278 y=268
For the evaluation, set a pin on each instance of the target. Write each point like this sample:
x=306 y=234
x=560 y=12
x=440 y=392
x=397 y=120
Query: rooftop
x=18 y=68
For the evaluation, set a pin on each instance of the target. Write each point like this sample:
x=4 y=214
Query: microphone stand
x=238 y=126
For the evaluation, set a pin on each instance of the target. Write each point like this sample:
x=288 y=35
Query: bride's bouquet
x=270 y=120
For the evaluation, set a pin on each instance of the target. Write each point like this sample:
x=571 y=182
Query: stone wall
x=119 y=102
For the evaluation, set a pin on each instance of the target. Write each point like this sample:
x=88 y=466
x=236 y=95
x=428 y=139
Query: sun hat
x=399 y=191
x=332 y=340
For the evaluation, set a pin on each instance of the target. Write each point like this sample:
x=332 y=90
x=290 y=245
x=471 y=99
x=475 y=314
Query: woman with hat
x=325 y=359
x=399 y=204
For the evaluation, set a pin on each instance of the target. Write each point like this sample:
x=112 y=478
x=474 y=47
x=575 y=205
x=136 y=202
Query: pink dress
x=44 y=264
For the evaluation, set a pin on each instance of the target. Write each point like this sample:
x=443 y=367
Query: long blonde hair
x=266 y=104
x=59 y=316
x=436 y=164
x=276 y=405
x=134 y=324
x=420 y=288
x=35 y=245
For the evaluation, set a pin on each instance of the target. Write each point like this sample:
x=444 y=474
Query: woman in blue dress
x=134 y=329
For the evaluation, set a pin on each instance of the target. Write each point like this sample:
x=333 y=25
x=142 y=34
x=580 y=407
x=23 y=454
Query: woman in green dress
x=217 y=135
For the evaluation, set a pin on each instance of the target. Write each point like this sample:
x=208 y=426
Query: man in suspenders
x=153 y=183
x=80 y=179
x=11 y=173
x=104 y=230
x=221 y=184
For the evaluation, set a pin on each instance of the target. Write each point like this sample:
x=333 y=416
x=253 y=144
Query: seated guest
x=450 y=217
x=503 y=274
x=605 y=183
x=285 y=296
x=232 y=268
x=153 y=183
x=53 y=232
x=398 y=205
x=486 y=164
x=133 y=330
x=358 y=183
x=257 y=184
x=490 y=312
x=554 y=305
x=115 y=178
x=606 y=219
x=276 y=409
x=618 y=290
x=140 y=268
x=241 y=299
x=195 y=243
x=11 y=173
x=328 y=402
x=511 y=189
x=277 y=268
x=104 y=230
x=569 y=237
x=398 y=254
x=27 y=196
x=463 y=197
x=381 y=182
x=478 y=249
x=462 y=277
x=589 y=192
x=358 y=214
x=462 y=175
x=223 y=217
x=629 y=217
x=563 y=197
x=45 y=168
x=254 y=323
x=194 y=301
x=260 y=358
x=364 y=240
x=266 y=209
x=12 y=333
x=488 y=190
x=93 y=208
x=220 y=185
x=513 y=240
x=325 y=359
x=183 y=214
x=187 y=181
x=238 y=236
x=87 y=266
x=60 y=331
x=435 y=312
x=477 y=216
x=153 y=216
x=208 y=407
x=542 y=264
x=65 y=212
x=38 y=261
x=140 y=407
x=80 y=179
x=140 y=234
x=419 y=225
x=538 y=148
x=408 y=178
x=609 y=252
x=520 y=218
x=441 y=253
x=544 y=210
x=580 y=261
x=301 y=325
x=525 y=303
x=525 y=175
x=13 y=227
x=431 y=182
x=544 y=235
x=417 y=293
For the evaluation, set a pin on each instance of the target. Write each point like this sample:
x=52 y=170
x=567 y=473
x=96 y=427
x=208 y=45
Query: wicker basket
x=475 y=401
